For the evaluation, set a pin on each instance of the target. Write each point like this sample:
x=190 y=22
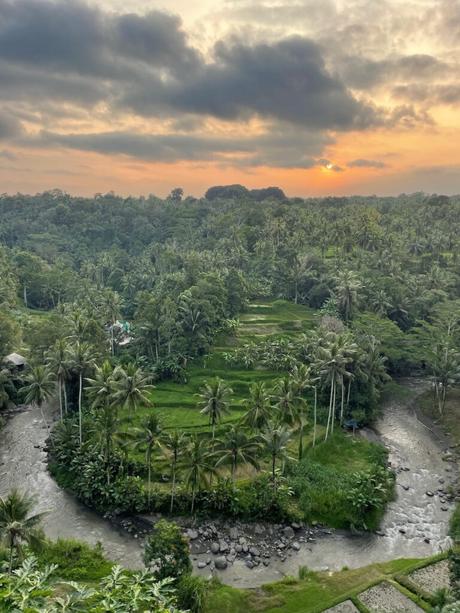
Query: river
x=415 y=525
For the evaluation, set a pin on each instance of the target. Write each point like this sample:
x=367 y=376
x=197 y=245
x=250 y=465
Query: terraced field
x=176 y=403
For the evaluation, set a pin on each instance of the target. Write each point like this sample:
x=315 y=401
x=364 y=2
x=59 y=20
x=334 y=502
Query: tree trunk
x=25 y=296
x=60 y=397
x=334 y=408
x=314 y=416
x=80 y=391
x=301 y=440
x=173 y=487
x=342 y=402
x=65 y=397
x=330 y=410
x=273 y=471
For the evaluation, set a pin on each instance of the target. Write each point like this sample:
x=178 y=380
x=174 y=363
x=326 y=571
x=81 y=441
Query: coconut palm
x=100 y=391
x=56 y=359
x=148 y=437
x=18 y=525
x=235 y=448
x=131 y=388
x=40 y=387
x=173 y=443
x=81 y=359
x=258 y=408
x=214 y=401
x=286 y=399
x=275 y=439
x=197 y=466
x=347 y=286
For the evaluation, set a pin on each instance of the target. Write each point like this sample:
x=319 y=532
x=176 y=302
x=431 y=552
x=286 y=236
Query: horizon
x=338 y=97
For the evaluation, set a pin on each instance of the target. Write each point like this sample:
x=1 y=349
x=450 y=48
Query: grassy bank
x=316 y=591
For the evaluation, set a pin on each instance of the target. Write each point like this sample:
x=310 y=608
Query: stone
x=192 y=534
x=201 y=564
x=223 y=547
x=238 y=548
x=430 y=494
x=254 y=551
x=215 y=547
x=266 y=562
x=221 y=563
x=296 y=546
x=233 y=534
x=295 y=525
x=402 y=531
x=249 y=563
x=258 y=529
x=288 y=532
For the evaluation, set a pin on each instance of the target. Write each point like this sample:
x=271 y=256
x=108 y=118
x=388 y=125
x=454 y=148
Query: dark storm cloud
x=71 y=51
x=286 y=80
x=362 y=163
x=438 y=93
x=281 y=147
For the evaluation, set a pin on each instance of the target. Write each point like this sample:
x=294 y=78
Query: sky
x=318 y=97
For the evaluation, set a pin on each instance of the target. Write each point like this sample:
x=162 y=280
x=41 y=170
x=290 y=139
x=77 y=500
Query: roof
x=15 y=358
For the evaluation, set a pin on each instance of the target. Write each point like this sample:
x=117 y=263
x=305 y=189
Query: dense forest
x=215 y=356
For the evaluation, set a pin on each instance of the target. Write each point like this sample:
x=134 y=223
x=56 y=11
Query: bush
x=76 y=561
x=192 y=592
x=167 y=551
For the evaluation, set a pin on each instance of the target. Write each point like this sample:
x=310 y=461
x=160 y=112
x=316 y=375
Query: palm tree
x=132 y=388
x=347 y=286
x=275 y=439
x=285 y=400
x=258 y=408
x=40 y=388
x=174 y=444
x=214 y=401
x=197 y=464
x=81 y=359
x=100 y=391
x=56 y=359
x=237 y=448
x=148 y=437
x=301 y=379
x=17 y=525
x=112 y=305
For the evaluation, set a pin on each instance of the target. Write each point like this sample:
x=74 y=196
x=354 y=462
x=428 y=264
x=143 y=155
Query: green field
x=317 y=591
x=177 y=403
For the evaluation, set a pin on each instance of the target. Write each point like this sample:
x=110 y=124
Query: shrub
x=167 y=551
x=76 y=561
x=192 y=592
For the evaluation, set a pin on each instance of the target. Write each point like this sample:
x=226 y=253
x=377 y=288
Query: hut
x=15 y=362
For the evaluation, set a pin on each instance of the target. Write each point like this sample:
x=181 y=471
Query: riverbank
x=414 y=526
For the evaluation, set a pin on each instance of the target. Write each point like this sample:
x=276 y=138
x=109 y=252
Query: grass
x=316 y=592
x=176 y=403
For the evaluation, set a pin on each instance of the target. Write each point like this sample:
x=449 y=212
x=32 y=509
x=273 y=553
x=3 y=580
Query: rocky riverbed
x=415 y=524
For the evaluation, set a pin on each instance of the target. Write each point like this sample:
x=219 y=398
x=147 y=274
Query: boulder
x=295 y=546
x=234 y=533
x=192 y=534
x=220 y=563
x=201 y=564
x=215 y=547
x=288 y=532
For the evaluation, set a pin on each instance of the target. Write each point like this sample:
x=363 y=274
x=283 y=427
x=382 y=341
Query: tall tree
x=275 y=439
x=57 y=360
x=197 y=467
x=148 y=437
x=18 y=525
x=258 y=407
x=174 y=444
x=236 y=448
x=81 y=358
x=132 y=388
x=214 y=401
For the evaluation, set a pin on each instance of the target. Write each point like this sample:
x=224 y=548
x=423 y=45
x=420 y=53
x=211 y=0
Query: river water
x=410 y=521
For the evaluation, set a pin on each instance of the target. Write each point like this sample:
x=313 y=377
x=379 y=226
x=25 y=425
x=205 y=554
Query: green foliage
x=167 y=551
x=76 y=561
x=192 y=593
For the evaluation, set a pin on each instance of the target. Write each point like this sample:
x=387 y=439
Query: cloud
x=9 y=125
x=434 y=93
x=8 y=155
x=285 y=80
x=362 y=163
x=281 y=146
x=328 y=165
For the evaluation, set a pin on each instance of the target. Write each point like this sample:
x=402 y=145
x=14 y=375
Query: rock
x=444 y=509
x=215 y=547
x=295 y=546
x=430 y=494
x=295 y=525
x=288 y=532
x=258 y=529
x=234 y=534
x=266 y=562
x=405 y=487
x=223 y=547
x=238 y=548
x=192 y=534
x=254 y=551
x=201 y=564
x=427 y=540
x=220 y=563
x=245 y=548
x=249 y=563
x=402 y=531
